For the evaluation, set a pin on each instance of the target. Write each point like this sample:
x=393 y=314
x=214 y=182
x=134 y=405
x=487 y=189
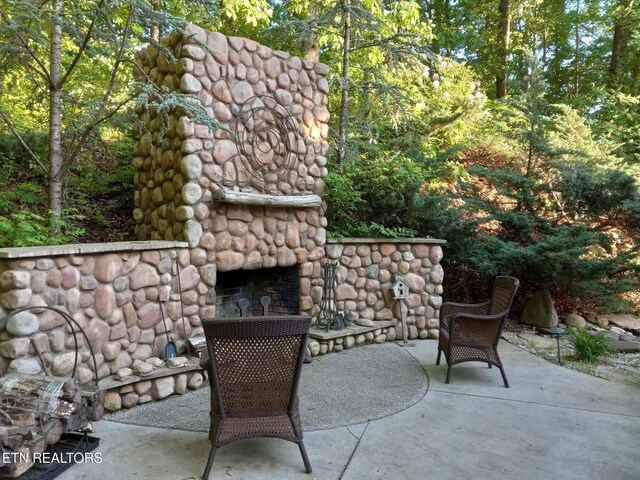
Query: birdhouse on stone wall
x=399 y=288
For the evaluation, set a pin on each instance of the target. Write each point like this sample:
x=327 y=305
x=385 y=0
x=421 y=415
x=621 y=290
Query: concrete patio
x=552 y=423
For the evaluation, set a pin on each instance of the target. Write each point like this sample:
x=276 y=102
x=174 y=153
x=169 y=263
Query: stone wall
x=365 y=275
x=110 y=290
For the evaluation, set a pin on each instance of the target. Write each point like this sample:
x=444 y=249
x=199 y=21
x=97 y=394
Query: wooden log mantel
x=265 y=200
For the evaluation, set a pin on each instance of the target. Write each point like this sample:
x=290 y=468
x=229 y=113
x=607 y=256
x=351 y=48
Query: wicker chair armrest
x=474 y=328
x=468 y=307
x=448 y=309
x=475 y=316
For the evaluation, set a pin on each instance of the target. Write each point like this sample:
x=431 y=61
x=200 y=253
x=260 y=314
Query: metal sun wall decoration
x=268 y=145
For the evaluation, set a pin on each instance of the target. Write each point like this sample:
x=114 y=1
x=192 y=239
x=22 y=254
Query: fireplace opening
x=281 y=284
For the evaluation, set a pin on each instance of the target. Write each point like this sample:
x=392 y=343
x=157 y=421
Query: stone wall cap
x=86 y=248
x=430 y=241
x=110 y=382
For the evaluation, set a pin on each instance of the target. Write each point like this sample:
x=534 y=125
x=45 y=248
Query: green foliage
x=589 y=347
x=374 y=197
x=617 y=123
x=164 y=103
x=26 y=194
x=27 y=229
x=63 y=63
x=560 y=245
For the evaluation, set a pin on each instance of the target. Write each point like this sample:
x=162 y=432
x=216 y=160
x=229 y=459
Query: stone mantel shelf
x=86 y=248
x=428 y=241
x=263 y=199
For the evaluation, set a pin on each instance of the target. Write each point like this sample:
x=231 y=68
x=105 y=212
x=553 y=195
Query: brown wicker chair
x=254 y=370
x=470 y=332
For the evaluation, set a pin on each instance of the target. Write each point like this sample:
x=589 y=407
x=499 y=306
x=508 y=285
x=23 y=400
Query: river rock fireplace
x=248 y=198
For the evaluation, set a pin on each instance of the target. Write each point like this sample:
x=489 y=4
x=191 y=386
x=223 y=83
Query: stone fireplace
x=247 y=198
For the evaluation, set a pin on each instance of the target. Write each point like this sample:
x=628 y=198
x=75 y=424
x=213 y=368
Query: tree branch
x=119 y=56
x=83 y=47
x=382 y=41
x=43 y=72
x=94 y=123
x=21 y=140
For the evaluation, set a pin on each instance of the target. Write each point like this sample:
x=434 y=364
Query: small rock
x=617 y=330
x=599 y=321
x=365 y=322
x=130 y=399
x=123 y=374
x=575 y=320
x=142 y=387
x=626 y=337
x=63 y=364
x=142 y=369
x=626 y=347
x=22 y=324
x=195 y=381
x=14 y=348
x=539 y=311
x=25 y=365
x=391 y=334
x=112 y=401
x=155 y=362
x=162 y=388
x=181 y=383
x=176 y=362
x=628 y=322
x=314 y=347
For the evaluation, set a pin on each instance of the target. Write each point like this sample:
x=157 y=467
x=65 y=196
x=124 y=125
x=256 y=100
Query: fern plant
x=589 y=347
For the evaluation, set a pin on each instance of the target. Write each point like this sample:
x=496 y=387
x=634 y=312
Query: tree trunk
x=55 y=120
x=440 y=16
x=544 y=47
x=503 y=48
x=576 y=65
x=344 y=103
x=620 y=46
x=155 y=28
x=313 y=49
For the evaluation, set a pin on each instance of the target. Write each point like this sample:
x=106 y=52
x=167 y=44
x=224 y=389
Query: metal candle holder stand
x=329 y=318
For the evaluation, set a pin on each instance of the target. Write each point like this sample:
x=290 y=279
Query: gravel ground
x=618 y=367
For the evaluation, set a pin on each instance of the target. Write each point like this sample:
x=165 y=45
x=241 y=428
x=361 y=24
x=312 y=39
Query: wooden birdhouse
x=399 y=288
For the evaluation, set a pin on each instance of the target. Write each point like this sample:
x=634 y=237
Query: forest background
x=509 y=128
